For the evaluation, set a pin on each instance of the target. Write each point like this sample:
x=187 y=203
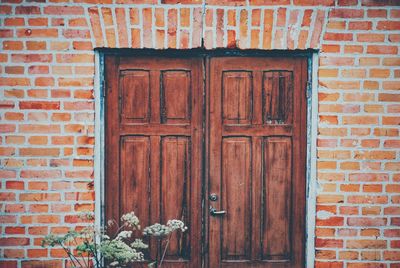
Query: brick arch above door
x=193 y=26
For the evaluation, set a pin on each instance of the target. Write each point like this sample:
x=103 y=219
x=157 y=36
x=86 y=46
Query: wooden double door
x=218 y=142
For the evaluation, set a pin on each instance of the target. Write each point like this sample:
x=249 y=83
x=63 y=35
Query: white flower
x=131 y=220
x=124 y=235
x=138 y=243
x=160 y=230
x=117 y=251
x=157 y=230
x=120 y=251
x=176 y=224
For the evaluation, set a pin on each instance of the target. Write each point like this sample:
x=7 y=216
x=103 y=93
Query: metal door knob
x=213 y=197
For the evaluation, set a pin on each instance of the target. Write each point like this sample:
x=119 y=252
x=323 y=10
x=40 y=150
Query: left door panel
x=153 y=147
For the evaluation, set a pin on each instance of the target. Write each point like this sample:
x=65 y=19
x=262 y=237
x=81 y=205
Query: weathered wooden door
x=256 y=179
x=251 y=175
x=154 y=147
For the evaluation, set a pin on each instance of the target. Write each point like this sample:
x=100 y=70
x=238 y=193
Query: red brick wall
x=47 y=109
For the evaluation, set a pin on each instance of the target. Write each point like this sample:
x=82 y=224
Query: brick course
x=47 y=109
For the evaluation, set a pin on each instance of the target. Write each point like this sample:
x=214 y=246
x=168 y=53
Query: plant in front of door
x=92 y=247
x=163 y=233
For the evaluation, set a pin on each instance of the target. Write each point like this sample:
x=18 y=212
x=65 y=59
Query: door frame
x=311 y=128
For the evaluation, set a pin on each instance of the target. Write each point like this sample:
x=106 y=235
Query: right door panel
x=257 y=141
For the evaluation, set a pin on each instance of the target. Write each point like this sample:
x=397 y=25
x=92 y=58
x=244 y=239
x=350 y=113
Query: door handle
x=215 y=212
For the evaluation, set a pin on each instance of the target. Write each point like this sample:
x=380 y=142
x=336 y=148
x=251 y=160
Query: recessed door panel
x=277 y=218
x=277 y=96
x=135 y=152
x=175 y=96
x=135 y=96
x=237 y=97
x=175 y=191
x=236 y=181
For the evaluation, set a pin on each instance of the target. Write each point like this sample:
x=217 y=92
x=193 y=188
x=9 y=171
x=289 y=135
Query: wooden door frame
x=311 y=128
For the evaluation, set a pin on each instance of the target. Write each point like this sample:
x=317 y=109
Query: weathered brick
x=388 y=25
x=14 y=22
x=346 y=13
x=64 y=10
x=14 y=241
x=382 y=49
x=39 y=105
x=366 y=244
x=366 y=221
x=28 y=10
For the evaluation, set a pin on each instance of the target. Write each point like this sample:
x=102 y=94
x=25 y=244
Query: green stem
x=94 y=252
x=82 y=257
x=84 y=262
x=95 y=249
x=165 y=250
x=118 y=230
x=70 y=255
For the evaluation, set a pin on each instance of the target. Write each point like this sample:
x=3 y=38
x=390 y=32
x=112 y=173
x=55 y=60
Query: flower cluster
x=138 y=243
x=158 y=230
x=117 y=249
x=161 y=230
x=120 y=253
x=177 y=224
x=124 y=235
x=131 y=220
